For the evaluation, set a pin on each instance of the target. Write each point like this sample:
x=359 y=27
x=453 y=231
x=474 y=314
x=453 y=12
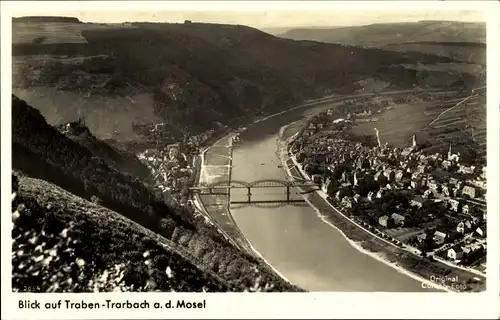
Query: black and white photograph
x=182 y=150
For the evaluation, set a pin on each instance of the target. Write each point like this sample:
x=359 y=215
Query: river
x=292 y=238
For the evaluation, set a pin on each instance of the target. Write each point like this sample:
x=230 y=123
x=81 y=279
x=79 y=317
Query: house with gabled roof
x=439 y=237
x=399 y=220
x=456 y=253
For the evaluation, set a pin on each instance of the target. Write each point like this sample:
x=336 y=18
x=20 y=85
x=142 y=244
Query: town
x=174 y=166
x=430 y=203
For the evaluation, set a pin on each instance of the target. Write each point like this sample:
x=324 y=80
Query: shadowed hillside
x=115 y=157
x=50 y=155
x=192 y=76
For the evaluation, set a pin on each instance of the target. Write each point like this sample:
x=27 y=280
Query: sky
x=275 y=19
x=263 y=14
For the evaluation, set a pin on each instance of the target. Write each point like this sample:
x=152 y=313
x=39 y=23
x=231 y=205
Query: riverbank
x=215 y=208
x=430 y=273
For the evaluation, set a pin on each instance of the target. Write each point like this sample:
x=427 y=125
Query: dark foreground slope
x=63 y=243
x=193 y=76
x=50 y=155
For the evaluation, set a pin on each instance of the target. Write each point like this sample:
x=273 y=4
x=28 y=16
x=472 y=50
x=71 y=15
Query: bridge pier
x=287 y=193
x=249 y=195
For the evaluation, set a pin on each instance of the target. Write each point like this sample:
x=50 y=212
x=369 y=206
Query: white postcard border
x=276 y=305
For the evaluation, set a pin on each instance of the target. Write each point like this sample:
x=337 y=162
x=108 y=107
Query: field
x=452 y=119
x=465 y=123
x=55 y=32
x=401 y=122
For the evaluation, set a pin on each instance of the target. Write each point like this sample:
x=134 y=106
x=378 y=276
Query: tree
x=382 y=180
x=332 y=187
x=168 y=227
x=95 y=200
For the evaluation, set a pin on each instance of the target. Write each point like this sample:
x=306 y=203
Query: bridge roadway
x=259 y=184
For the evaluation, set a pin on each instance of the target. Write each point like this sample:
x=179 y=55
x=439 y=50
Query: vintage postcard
x=187 y=159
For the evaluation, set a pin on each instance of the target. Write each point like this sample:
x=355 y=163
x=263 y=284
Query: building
x=439 y=237
x=399 y=220
x=389 y=174
x=466 y=169
x=456 y=253
x=446 y=164
x=454 y=204
x=427 y=193
x=399 y=175
x=370 y=196
x=346 y=202
x=446 y=191
x=461 y=227
x=415 y=183
x=422 y=237
x=481 y=231
x=433 y=185
x=173 y=151
x=465 y=209
x=417 y=201
x=468 y=225
x=470 y=191
x=484 y=173
x=385 y=221
x=325 y=184
x=356 y=197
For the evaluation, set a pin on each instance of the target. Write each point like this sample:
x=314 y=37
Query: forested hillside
x=50 y=155
x=115 y=157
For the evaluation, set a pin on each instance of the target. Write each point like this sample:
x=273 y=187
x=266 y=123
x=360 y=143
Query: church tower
x=378 y=138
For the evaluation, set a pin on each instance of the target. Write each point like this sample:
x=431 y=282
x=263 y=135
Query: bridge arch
x=269 y=183
x=232 y=184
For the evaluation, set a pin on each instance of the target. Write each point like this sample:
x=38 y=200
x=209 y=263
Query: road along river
x=293 y=238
